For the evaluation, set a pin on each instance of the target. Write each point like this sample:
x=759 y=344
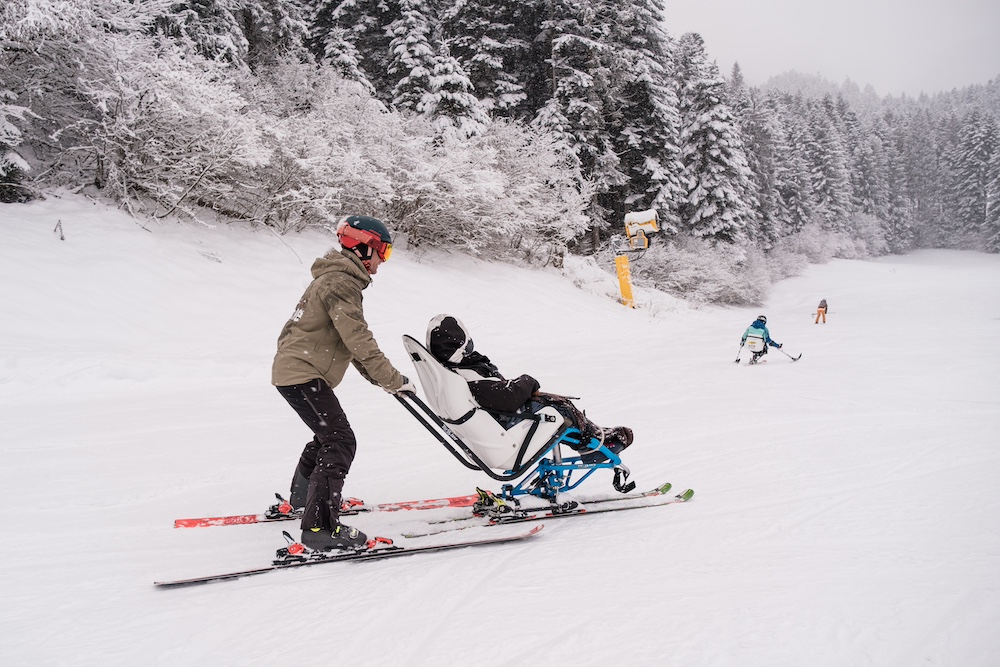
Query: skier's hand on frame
x=406 y=387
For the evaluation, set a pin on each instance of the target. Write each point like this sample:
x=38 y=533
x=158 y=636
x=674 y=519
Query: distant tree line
x=488 y=125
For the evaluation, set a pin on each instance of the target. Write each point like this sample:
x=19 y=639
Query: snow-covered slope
x=845 y=509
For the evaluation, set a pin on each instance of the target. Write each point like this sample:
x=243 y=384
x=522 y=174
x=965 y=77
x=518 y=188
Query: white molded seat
x=448 y=394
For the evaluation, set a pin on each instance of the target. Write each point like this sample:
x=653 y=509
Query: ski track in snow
x=844 y=513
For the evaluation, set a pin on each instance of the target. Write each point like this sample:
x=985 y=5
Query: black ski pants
x=327 y=458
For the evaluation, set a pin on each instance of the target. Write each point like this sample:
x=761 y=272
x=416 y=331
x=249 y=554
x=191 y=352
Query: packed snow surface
x=845 y=511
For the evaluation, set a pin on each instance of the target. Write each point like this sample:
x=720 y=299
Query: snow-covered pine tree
x=900 y=222
x=791 y=173
x=647 y=120
x=273 y=30
x=977 y=144
x=411 y=56
x=720 y=201
x=450 y=104
x=209 y=28
x=870 y=175
x=578 y=111
x=354 y=35
x=992 y=225
x=13 y=167
x=431 y=82
x=492 y=39
x=922 y=168
x=328 y=41
x=245 y=33
x=760 y=127
x=827 y=158
x=944 y=228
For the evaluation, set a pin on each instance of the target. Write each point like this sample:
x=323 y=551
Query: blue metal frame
x=559 y=475
x=548 y=477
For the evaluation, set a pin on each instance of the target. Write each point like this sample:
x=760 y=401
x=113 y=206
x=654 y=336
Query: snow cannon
x=639 y=226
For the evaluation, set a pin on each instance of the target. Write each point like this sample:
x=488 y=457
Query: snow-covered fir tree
x=209 y=28
x=411 y=56
x=992 y=225
x=13 y=167
x=870 y=175
x=921 y=165
x=273 y=30
x=944 y=228
x=354 y=35
x=719 y=201
x=244 y=33
x=978 y=142
x=900 y=219
x=330 y=42
x=449 y=102
x=767 y=156
x=647 y=119
x=791 y=172
x=492 y=39
x=578 y=111
x=827 y=158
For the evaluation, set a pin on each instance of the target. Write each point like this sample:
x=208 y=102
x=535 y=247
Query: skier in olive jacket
x=326 y=333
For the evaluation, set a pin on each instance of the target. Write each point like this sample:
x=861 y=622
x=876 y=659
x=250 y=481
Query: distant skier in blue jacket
x=757 y=338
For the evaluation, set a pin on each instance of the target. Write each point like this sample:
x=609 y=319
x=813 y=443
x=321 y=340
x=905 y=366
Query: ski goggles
x=370 y=239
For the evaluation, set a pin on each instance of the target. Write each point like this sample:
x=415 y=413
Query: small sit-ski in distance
x=757 y=338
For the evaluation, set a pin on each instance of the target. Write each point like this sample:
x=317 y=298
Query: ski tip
x=663 y=489
x=687 y=495
x=535 y=530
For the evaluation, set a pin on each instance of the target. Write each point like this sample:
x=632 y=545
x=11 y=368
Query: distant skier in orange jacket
x=821 y=312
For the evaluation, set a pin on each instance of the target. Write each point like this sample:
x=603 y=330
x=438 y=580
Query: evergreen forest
x=516 y=131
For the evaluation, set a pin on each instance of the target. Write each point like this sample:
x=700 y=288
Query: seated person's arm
x=503 y=395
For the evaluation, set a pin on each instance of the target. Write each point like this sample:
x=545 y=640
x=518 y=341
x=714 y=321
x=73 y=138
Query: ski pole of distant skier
x=738 y=354
x=788 y=355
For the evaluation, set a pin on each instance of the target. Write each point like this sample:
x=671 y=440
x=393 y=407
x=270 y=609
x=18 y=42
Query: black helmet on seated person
x=448 y=340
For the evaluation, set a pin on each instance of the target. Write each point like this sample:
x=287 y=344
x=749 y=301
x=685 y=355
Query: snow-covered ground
x=845 y=513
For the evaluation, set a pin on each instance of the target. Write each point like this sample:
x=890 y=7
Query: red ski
x=283 y=511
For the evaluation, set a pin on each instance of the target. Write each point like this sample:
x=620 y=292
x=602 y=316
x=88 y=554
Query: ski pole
x=739 y=353
x=790 y=356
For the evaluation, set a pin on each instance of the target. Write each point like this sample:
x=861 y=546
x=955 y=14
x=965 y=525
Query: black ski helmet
x=369 y=224
x=367 y=237
x=448 y=339
x=761 y=318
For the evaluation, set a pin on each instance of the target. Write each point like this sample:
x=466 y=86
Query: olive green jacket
x=328 y=331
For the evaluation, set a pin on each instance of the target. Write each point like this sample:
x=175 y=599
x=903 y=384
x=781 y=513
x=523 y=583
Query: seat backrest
x=755 y=343
x=448 y=394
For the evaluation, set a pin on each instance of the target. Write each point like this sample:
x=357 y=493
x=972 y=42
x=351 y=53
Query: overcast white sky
x=895 y=45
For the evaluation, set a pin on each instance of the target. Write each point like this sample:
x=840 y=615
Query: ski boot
x=341 y=538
